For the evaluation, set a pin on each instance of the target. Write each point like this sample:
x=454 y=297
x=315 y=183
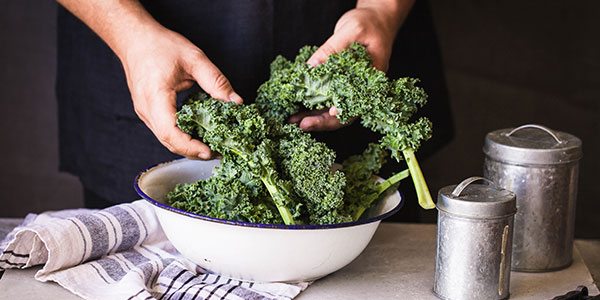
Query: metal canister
x=541 y=166
x=474 y=239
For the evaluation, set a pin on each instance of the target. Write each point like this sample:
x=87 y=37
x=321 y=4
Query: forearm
x=117 y=22
x=394 y=12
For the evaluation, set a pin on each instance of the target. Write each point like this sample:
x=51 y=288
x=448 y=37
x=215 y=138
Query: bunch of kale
x=273 y=172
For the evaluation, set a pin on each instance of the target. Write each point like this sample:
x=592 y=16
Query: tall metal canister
x=541 y=166
x=475 y=227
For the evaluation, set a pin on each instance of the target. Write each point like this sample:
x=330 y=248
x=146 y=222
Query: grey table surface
x=397 y=264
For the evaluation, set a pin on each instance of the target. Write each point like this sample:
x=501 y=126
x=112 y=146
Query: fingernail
x=234 y=97
x=204 y=155
x=313 y=62
x=333 y=111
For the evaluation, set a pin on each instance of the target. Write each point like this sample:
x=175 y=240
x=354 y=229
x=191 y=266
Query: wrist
x=391 y=13
x=133 y=35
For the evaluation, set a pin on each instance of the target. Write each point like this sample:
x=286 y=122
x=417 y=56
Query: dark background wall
x=507 y=63
x=29 y=177
x=510 y=63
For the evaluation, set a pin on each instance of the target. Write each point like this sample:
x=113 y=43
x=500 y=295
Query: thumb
x=212 y=80
x=160 y=116
x=333 y=45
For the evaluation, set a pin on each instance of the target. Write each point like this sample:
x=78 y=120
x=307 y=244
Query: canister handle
x=540 y=127
x=461 y=186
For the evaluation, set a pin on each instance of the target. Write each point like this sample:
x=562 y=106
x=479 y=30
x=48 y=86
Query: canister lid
x=532 y=144
x=478 y=201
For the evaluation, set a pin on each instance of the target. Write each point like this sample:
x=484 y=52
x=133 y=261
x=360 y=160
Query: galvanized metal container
x=541 y=166
x=474 y=241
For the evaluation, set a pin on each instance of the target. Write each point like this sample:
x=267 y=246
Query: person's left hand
x=370 y=26
x=317 y=120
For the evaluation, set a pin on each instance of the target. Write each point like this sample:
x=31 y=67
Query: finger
x=379 y=52
x=333 y=111
x=379 y=55
x=183 y=85
x=211 y=79
x=335 y=44
x=380 y=64
x=295 y=118
x=163 y=119
x=322 y=122
x=213 y=155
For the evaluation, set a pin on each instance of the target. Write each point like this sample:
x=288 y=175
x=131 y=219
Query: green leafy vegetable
x=273 y=172
x=357 y=90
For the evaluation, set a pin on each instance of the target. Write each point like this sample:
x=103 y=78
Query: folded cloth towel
x=120 y=253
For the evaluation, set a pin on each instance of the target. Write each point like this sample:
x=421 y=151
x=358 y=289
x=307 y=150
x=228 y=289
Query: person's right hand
x=160 y=63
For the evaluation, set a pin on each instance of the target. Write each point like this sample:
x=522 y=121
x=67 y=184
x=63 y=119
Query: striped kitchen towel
x=120 y=253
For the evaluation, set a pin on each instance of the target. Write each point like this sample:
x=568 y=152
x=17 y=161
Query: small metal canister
x=541 y=166
x=475 y=224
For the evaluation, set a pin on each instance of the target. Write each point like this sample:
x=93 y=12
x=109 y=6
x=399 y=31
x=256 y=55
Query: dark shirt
x=104 y=143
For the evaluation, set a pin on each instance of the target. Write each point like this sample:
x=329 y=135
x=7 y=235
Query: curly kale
x=294 y=169
x=229 y=194
x=273 y=172
x=348 y=82
x=308 y=164
x=362 y=189
x=239 y=134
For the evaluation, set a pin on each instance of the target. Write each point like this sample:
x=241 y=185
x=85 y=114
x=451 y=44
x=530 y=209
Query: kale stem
x=419 y=181
x=278 y=197
x=279 y=200
x=381 y=188
x=359 y=212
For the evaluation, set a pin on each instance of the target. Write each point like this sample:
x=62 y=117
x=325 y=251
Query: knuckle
x=138 y=110
x=164 y=138
x=141 y=111
x=198 y=54
x=360 y=28
x=138 y=98
x=137 y=94
x=187 y=151
x=357 y=27
x=168 y=146
x=327 y=49
x=191 y=63
x=220 y=82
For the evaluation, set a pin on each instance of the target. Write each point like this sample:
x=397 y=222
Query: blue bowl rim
x=257 y=225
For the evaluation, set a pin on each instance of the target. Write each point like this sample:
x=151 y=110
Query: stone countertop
x=398 y=264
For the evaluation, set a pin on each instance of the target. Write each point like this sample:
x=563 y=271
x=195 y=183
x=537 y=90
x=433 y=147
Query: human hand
x=368 y=26
x=373 y=25
x=160 y=63
x=317 y=120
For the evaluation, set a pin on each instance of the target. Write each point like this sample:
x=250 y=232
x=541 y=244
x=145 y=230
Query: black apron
x=104 y=143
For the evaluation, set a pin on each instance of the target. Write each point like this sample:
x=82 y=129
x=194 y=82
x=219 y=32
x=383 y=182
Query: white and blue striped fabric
x=120 y=253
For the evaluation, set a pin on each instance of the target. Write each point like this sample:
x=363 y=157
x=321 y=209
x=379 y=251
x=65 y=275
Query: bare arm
x=116 y=22
x=158 y=63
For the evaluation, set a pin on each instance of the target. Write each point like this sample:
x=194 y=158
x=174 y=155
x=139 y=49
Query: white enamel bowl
x=260 y=252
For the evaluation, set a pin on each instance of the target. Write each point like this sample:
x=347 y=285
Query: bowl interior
x=154 y=183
